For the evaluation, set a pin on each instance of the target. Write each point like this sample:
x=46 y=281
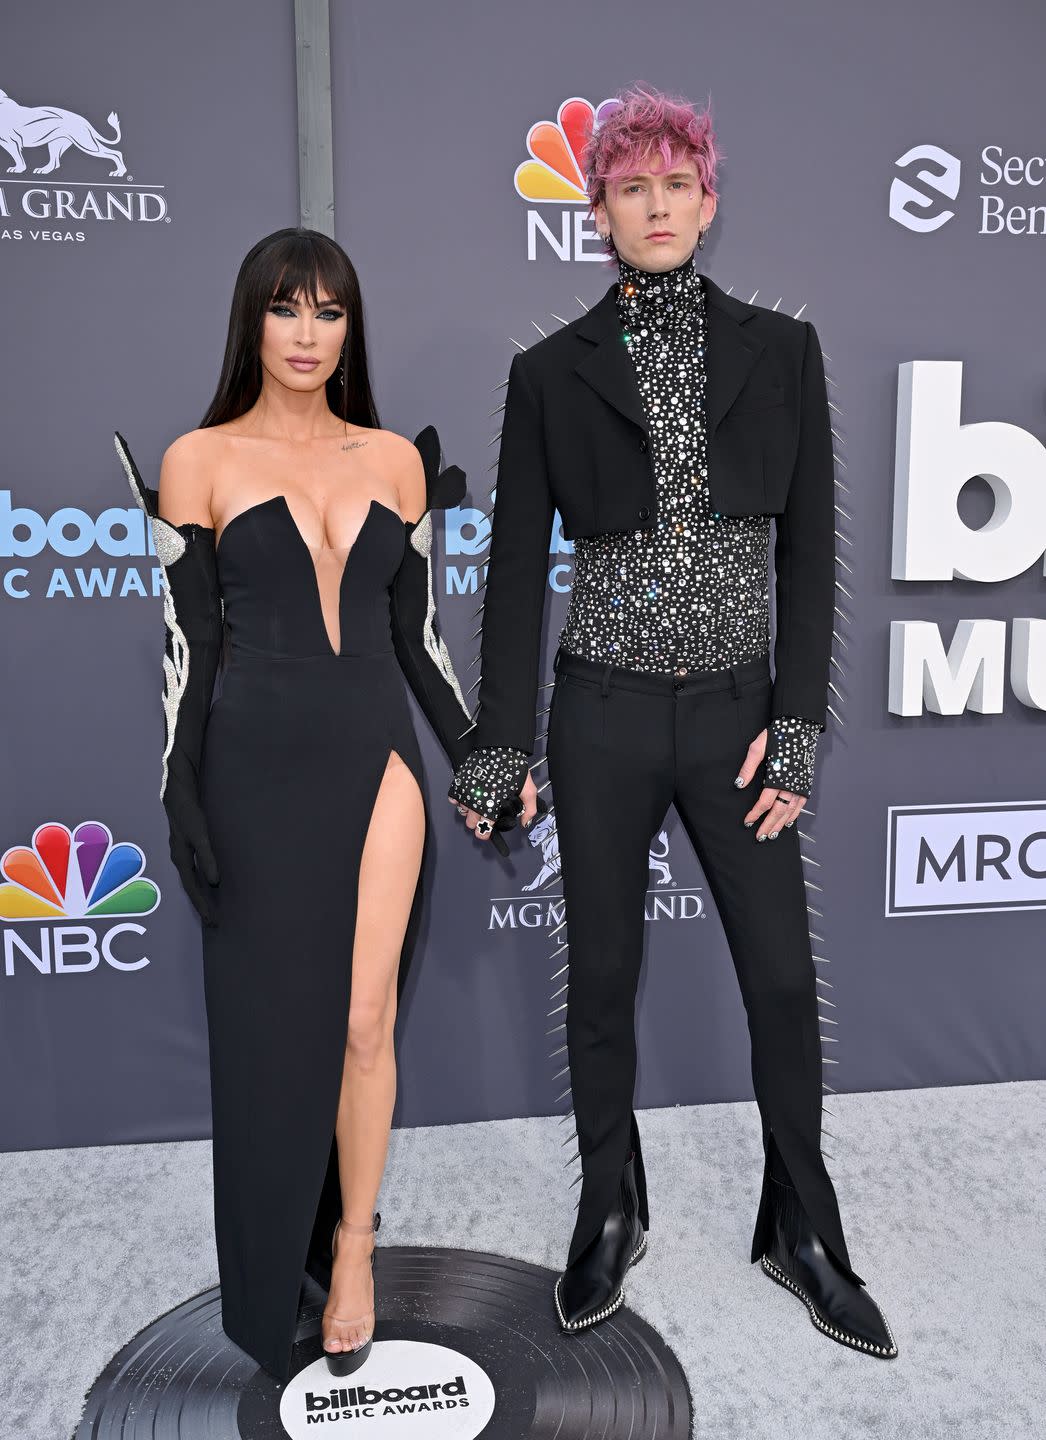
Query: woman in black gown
x=295 y=535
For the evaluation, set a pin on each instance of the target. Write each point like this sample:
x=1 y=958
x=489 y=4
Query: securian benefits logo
x=553 y=176
x=1011 y=201
x=73 y=875
x=42 y=211
x=917 y=206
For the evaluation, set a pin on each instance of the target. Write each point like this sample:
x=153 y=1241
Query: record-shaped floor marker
x=467 y=1346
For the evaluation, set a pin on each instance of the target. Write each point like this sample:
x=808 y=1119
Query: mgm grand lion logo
x=540 y=904
x=30 y=127
x=544 y=839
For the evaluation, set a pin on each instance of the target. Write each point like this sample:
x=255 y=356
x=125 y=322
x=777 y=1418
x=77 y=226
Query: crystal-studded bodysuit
x=692 y=593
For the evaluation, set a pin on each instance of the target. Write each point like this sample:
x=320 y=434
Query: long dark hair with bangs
x=281 y=268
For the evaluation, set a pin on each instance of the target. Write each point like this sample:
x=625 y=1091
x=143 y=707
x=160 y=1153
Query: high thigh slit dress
x=294 y=752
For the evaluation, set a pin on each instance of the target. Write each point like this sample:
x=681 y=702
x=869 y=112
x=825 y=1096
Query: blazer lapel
x=731 y=355
x=607 y=367
x=731 y=351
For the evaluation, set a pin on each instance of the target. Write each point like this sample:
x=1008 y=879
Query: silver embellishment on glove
x=175 y=676
x=421 y=540
x=170 y=546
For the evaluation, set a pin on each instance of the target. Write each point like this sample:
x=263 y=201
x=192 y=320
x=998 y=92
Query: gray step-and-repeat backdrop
x=866 y=185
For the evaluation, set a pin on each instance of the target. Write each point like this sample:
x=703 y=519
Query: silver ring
x=483 y=827
x=463 y=809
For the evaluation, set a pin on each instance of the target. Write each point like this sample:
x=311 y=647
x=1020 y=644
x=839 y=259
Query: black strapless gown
x=294 y=754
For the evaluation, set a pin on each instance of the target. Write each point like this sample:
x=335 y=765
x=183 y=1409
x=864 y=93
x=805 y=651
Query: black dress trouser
x=622 y=747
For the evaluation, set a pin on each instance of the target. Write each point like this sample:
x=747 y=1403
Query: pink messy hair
x=647 y=123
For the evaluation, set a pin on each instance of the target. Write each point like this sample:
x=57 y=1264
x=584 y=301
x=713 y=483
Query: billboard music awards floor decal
x=467 y=1345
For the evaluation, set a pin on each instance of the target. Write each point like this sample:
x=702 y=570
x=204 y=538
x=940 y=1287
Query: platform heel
x=346 y=1362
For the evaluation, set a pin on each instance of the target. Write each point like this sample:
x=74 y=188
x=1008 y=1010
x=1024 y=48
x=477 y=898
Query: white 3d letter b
x=935 y=457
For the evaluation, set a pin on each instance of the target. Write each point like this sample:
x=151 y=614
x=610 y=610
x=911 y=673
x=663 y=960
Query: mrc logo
x=553 y=177
x=77 y=875
x=955 y=859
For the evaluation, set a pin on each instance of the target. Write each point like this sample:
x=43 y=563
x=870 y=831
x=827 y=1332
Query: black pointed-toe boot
x=589 y=1290
x=797 y=1259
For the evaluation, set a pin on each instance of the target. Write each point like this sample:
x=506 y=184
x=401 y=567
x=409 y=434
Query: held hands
x=487 y=788
x=529 y=797
x=779 y=809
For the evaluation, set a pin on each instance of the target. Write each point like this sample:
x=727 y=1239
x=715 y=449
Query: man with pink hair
x=668 y=426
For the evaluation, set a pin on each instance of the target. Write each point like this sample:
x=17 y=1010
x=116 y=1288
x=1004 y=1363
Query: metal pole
x=315 y=142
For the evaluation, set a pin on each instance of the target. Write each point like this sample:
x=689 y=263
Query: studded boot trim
x=842 y=1336
x=613 y=1304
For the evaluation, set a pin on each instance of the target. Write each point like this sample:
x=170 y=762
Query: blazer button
x=644 y=512
x=642 y=445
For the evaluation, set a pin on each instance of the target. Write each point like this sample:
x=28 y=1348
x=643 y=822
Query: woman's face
x=655 y=216
x=301 y=343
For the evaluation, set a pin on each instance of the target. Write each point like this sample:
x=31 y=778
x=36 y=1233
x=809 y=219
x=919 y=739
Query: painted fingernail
x=749 y=824
x=789 y=824
x=774 y=834
x=760 y=838
x=739 y=782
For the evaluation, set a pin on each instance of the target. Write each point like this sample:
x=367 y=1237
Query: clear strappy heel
x=345 y=1362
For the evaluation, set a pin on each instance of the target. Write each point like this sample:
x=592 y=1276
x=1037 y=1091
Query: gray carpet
x=942 y=1194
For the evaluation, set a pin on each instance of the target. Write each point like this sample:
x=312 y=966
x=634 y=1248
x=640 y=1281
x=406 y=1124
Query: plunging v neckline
x=282 y=501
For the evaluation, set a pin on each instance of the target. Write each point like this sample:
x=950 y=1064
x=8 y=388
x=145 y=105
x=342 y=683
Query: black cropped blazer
x=574 y=439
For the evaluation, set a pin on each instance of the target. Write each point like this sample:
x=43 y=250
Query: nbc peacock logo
x=553 y=175
x=74 y=875
x=79 y=873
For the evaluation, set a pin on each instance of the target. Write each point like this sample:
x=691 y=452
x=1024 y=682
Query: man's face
x=655 y=216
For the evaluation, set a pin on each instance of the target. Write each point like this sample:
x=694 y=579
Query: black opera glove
x=791 y=748
x=420 y=649
x=192 y=612
x=489 y=782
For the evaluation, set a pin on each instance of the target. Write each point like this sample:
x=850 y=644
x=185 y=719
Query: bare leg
x=388 y=876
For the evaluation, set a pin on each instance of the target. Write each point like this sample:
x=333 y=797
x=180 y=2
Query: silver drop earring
x=701 y=239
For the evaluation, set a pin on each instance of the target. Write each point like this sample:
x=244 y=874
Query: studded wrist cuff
x=791 y=748
x=490 y=777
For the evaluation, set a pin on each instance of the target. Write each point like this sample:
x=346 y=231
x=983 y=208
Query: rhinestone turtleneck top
x=692 y=593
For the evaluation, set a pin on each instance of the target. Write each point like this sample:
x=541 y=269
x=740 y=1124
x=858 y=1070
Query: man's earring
x=701 y=240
